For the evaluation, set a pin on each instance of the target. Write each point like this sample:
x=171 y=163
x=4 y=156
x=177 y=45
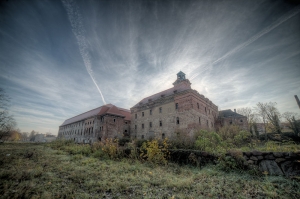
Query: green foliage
x=154 y=152
x=233 y=160
x=123 y=141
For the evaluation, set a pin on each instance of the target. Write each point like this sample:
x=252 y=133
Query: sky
x=62 y=58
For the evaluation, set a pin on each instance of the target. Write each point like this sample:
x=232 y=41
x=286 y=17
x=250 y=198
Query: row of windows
x=177 y=122
x=176 y=107
x=78 y=132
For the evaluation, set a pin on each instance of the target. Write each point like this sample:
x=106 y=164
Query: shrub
x=111 y=148
x=233 y=160
x=155 y=153
x=123 y=141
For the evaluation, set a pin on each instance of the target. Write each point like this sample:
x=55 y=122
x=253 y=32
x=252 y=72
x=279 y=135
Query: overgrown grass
x=37 y=171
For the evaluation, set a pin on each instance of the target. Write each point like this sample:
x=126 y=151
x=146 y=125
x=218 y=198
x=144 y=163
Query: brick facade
x=172 y=111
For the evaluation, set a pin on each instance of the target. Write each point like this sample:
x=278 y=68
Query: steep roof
x=165 y=93
x=105 y=109
x=229 y=113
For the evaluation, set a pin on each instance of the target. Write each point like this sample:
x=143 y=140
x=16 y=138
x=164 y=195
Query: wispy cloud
x=78 y=30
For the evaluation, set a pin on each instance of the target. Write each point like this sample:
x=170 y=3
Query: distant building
x=229 y=117
x=39 y=138
x=107 y=121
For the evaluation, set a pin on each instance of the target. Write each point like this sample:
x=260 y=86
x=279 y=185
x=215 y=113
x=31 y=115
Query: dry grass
x=37 y=171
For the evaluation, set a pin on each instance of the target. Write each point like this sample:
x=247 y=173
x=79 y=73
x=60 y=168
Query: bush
x=155 y=153
x=233 y=160
x=111 y=148
x=123 y=141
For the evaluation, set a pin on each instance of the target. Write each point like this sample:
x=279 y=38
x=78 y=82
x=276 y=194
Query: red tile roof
x=102 y=110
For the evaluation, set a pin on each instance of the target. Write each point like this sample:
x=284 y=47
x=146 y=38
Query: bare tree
x=261 y=111
x=7 y=122
x=294 y=124
x=252 y=118
x=269 y=115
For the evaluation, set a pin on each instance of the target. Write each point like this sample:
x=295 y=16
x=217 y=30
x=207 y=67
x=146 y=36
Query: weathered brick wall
x=186 y=110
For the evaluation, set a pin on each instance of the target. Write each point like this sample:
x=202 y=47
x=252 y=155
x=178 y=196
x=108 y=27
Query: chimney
x=235 y=110
x=297 y=100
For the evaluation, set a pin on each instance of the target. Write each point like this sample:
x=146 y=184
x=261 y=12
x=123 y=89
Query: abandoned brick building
x=164 y=114
x=229 y=117
x=107 y=121
x=176 y=109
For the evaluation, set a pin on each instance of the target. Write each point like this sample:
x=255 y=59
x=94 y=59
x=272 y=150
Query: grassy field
x=37 y=171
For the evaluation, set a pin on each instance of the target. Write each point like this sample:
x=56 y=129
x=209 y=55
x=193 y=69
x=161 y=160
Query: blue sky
x=54 y=53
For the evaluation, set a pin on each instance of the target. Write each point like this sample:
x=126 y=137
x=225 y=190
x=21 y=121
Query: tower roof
x=180 y=73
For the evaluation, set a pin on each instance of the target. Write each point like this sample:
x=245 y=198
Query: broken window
x=142 y=126
x=176 y=106
x=142 y=136
x=160 y=109
x=114 y=120
x=199 y=120
x=241 y=120
x=150 y=124
x=177 y=120
x=142 y=114
x=160 y=123
x=135 y=116
x=163 y=136
x=198 y=105
x=150 y=111
x=134 y=126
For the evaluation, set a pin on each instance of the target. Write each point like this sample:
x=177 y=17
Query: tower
x=181 y=81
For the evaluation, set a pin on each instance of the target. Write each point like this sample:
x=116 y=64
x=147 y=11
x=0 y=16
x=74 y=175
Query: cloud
x=78 y=30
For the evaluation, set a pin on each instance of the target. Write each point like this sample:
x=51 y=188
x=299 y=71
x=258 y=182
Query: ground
x=37 y=171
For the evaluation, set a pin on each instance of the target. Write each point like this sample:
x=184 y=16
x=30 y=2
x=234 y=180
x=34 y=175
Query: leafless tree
x=251 y=116
x=269 y=114
x=293 y=120
x=7 y=122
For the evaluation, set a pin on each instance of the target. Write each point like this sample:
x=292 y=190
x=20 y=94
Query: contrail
x=78 y=30
x=260 y=34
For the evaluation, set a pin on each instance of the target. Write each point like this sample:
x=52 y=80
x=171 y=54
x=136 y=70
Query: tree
x=270 y=115
x=32 y=135
x=252 y=119
x=7 y=122
x=293 y=123
x=261 y=111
